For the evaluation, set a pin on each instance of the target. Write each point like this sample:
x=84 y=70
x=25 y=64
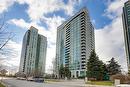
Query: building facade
x=33 y=55
x=75 y=41
x=126 y=28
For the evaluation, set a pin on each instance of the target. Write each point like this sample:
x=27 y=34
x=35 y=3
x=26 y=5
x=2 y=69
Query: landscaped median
x=52 y=80
x=105 y=83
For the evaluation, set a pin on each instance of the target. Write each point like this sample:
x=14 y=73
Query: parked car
x=30 y=79
x=21 y=78
x=39 y=79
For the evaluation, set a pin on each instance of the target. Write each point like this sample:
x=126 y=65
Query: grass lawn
x=1 y=85
x=52 y=80
x=107 y=83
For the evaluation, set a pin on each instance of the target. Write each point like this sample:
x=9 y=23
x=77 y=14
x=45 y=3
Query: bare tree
x=3 y=72
x=5 y=36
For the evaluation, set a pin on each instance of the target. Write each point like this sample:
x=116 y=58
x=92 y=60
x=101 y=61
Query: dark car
x=38 y=79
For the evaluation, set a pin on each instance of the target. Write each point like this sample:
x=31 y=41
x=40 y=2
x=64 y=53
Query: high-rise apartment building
x=33 y=55
x=126 y=28
x=75 y=41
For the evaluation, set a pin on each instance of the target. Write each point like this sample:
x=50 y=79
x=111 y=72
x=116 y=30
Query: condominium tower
x=33 y=55
x=75 y=41
x=126 y=28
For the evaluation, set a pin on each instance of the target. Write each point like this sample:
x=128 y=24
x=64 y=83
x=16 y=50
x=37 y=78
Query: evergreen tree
x=113 y=67
x=95 y=67
x=67 y=72
x=62 y=71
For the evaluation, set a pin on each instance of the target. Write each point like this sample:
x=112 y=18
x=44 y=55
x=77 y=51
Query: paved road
x=11 y=82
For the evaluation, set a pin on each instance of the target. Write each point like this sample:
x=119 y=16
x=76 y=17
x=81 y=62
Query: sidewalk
x=88 y=85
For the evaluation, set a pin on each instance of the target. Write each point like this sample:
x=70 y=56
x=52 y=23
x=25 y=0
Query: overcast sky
x=46 y=15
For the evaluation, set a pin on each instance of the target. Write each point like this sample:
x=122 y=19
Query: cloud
x=26 y=25
x=110 y=40
x=114 y=8
x=37 y=9
x=21 y=23
x=5 y=4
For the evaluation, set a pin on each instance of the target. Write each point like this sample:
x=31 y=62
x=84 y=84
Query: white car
x=30 y=79
x=21 y=78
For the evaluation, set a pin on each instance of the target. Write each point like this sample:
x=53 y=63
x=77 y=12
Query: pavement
x=12 y=82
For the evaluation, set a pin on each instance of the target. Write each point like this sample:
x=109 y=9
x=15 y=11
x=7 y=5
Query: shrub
x=81 y=77
x=92 y=79
x=124 y=79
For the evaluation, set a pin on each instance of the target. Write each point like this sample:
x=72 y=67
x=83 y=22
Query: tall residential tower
x=75 y=41
x=126 y=28
x=33 y=54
